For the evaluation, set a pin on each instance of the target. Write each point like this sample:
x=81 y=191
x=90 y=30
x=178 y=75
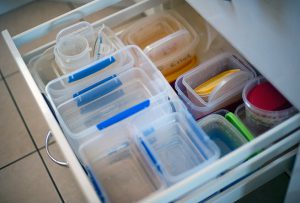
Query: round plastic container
x=261 y=116
x=72 y=52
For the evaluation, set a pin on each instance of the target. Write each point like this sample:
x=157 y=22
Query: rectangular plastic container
x=111 y=102
x=117 y=168
x=63 y=88
x=227 y=92
x=44 y=67
x=226 y=136
x=174 y=143
x=168 y=40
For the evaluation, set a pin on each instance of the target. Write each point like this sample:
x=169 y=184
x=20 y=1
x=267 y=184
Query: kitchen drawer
x=200 y=185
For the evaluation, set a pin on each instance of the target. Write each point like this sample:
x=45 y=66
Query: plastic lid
x=208 y=86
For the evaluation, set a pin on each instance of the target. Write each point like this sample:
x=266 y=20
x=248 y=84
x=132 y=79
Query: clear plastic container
x=226 y=92
x=62 y=89
x=117 y=168
x=226 y=136
x=44 y=67
x=261 y=116
x=256 y=128
x=168 y=40
x=72 y=52
x=175 y=145
x=111 y=102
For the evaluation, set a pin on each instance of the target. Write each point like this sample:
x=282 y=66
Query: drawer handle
x=62 y=163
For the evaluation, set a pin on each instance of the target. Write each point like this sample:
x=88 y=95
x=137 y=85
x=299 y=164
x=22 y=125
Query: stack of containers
x=221 y=79
x=127 y=126
x=105 y=92
x=130 y=160
x=76 y=46
x=168 y=40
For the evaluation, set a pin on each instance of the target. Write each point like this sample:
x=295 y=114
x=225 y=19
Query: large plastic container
x=44 y=68
x=226 y=136
x=62 y=89
x=174 y=143
x=111 y=102
x=168 y=40
x=260 y=116
x=117 y=168
x=226 y=92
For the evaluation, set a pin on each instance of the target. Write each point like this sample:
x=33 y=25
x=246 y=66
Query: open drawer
x=200 y=185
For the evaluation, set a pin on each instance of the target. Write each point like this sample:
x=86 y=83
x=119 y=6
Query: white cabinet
x=244 y=26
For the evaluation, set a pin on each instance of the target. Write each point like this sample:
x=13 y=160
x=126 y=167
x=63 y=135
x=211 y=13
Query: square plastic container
x=64 y=88
x=44 y=67
x=226 y=136
x=168 y=40
x=226 y=92
x=175 y=145
x=117 y=168
x=106 y=104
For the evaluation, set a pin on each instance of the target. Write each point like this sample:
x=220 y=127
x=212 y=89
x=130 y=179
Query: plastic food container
x=113 y=101
x=168 y=40
x=63 y=89
x=225 y=93
x=256 y=128
x=175 y=145
x=117 y=168
x=226 y=136
x=44 y=67
x=267 y=118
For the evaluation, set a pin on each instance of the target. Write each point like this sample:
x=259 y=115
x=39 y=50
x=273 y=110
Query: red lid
x=266 y=97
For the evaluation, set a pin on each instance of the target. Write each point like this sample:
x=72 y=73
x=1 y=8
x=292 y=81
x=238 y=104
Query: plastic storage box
x=117 y=168
x=168 y=40
x=222 y=133
x=227 y=92
x=44 y=68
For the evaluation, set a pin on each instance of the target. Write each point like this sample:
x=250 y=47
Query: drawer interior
x=218 y=45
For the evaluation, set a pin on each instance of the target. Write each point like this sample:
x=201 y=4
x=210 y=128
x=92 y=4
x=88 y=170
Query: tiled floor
x=26 y=172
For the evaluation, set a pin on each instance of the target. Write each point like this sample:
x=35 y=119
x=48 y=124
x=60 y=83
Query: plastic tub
x=62 y=89
x=168 y=40
x=44 y=67
x=256 y=128
x=225 y=93
x=175 y=145
x=117 y=169
x=227 y=137
x=267 y=118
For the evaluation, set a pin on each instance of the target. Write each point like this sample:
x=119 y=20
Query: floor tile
x=27 y=181
x=22 y=19
x=28 y=107
x=14 y=139
x=63 y=177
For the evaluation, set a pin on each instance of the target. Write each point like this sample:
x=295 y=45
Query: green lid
x=236 y=122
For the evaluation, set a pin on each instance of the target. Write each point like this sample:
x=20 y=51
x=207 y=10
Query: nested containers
x=226 y=92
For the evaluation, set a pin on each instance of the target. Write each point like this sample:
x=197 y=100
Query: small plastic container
x=225 y=93
x=44 y=67
x=168 y=40
x=72 y=52
x=255 y=127
x=263 y=117
x=226 y=136
x=117 y=168
x=175 y=145
x=62 y=89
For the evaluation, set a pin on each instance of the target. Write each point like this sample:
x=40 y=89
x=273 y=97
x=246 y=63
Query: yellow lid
x=207 y=87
